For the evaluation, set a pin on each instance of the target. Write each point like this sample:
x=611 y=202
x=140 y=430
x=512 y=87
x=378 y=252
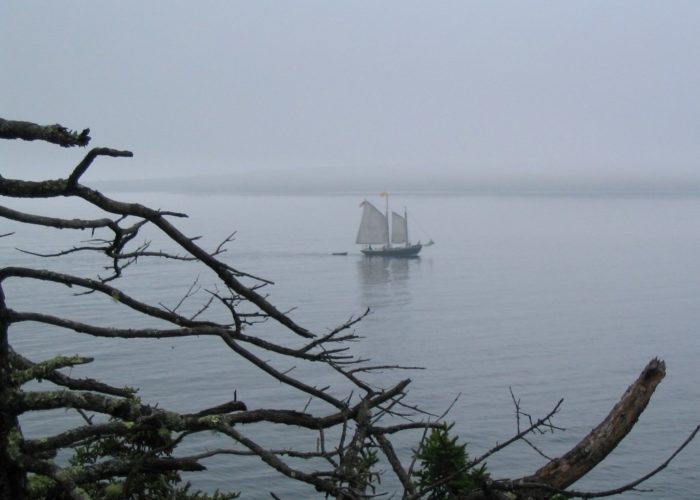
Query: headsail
x=399 y=229
x=374 y=228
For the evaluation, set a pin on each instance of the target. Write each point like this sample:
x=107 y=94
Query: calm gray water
x=556 y=297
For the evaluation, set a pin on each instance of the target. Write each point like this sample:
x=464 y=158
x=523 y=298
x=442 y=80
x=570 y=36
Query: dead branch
x=591 y=450
x=544 y=421
x=89 y=158
x=634 y=484
x=547 y=490
x=41 y=220
x=56 y=134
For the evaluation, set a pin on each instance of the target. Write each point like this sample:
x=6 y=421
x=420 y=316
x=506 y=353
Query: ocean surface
x=548 y=297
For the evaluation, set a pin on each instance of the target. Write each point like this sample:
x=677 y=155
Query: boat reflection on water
x=386 y=286
x=385 y=281
x=377 y=270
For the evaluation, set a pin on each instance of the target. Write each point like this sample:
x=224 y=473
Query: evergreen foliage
x=444 y=466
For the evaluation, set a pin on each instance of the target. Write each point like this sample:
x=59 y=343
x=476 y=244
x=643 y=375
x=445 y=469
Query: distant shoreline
x=230 y=185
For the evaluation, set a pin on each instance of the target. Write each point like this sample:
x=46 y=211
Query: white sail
x=399 y=229
x=374 y=228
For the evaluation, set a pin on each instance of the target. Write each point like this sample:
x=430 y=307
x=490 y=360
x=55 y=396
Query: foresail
x=398 y=229
x=374 y=229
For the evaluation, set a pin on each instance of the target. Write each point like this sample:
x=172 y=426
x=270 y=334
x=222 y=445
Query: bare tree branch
x=56 y=134
x=89 y=158
x=41 y=220
x=564 y=471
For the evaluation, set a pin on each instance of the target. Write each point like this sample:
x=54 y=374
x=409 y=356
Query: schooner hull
x=402 y=252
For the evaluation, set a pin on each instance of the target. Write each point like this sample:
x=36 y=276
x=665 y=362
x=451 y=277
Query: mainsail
x=399 y=229
x=374 y=228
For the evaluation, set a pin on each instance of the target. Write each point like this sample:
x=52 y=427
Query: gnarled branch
x=591 y=450
x=55 y=134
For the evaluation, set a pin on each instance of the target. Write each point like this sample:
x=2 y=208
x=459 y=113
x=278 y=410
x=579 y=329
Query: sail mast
x=386 y=212
x=405 y=225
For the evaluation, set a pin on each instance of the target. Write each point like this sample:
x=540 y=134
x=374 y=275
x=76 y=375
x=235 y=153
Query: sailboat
x=374 y=230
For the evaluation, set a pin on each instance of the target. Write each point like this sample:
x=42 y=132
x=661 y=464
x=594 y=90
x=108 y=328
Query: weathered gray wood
x=591 y=450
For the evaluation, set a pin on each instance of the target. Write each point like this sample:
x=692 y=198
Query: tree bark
x=561 y=472
x=56 y=134
x=12 y=478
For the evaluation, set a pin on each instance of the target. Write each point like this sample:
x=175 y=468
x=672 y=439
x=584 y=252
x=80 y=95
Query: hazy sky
x=487 y=89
